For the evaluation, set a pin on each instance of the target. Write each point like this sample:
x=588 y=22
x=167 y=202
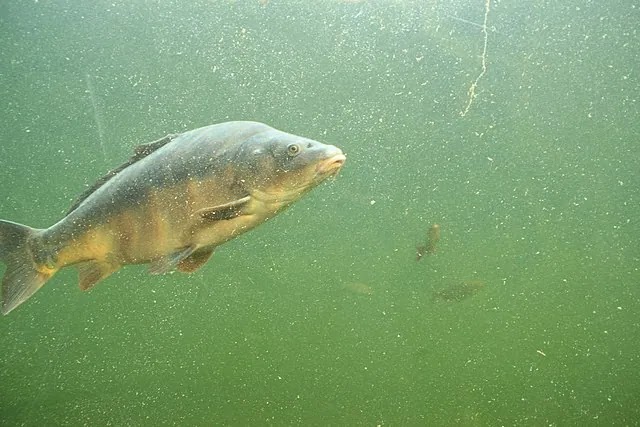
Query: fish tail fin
x=23 y=277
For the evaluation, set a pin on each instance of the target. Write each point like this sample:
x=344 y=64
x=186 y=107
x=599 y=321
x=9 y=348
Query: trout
x=169 y=206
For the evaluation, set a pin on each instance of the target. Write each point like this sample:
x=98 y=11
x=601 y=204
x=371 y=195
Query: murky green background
x=322 y=316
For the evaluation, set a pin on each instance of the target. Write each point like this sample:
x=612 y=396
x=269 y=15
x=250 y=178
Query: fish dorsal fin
x=139 y=153
x=142 y=151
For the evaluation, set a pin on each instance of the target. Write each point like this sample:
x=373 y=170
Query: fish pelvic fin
x=170 y=261
x=91 y=272
x=194 y=261
x=23 y=276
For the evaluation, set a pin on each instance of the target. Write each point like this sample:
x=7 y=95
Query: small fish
x=170 y=206
x=433 y=236
x=359 y=288
x=459 y=291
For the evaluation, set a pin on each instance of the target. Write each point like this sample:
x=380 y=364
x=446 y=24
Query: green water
x=322 y=316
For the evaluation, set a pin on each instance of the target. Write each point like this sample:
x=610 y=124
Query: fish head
x=281 y=167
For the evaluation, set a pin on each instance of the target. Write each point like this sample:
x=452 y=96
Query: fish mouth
x=330 y=166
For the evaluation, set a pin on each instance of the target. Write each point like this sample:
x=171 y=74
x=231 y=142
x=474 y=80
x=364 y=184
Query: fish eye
x=293 y=149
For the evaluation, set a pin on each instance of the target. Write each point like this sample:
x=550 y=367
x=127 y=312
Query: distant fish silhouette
x=359 y=288
x=459 y=291
x=433 y=236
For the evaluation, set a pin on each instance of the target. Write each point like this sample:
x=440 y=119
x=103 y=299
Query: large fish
x=170 y=205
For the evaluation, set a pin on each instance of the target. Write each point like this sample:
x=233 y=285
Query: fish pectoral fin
x=170 y=261
x=194 y=261
x=91 y=272
x=226 y=211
